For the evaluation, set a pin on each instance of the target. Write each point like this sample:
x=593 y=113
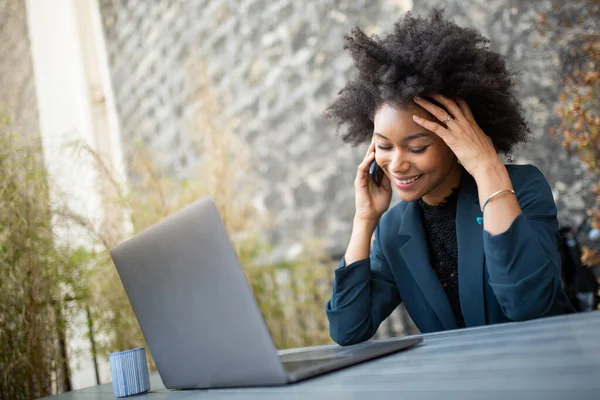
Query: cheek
x=433 y=161
x=428 y=162
x=382 y=158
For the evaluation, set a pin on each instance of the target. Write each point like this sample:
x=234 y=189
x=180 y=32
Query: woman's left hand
x=473 y=148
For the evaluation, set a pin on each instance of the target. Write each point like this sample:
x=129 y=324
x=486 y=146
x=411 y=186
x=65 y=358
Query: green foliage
x=30 y=273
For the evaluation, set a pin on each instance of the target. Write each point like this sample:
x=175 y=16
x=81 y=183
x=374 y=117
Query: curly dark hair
x=422 y=57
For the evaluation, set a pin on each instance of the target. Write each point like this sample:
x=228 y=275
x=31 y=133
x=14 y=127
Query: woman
x=474 y=242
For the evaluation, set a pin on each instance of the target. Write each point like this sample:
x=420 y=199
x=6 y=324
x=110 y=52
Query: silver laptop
x=199 y=316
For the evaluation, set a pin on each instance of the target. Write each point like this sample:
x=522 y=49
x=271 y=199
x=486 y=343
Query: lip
x=407 y=186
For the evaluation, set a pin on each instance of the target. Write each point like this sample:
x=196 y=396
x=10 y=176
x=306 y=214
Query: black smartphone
x=376 y=173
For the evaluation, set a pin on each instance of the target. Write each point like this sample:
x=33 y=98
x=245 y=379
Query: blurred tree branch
x=579 y=103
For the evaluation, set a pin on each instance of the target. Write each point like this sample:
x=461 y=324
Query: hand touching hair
x=423 y=57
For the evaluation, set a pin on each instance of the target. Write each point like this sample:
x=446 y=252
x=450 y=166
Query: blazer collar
x=414 y=250
x=469 y=236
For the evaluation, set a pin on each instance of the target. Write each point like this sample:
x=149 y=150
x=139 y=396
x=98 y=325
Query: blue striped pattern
x=129 y=372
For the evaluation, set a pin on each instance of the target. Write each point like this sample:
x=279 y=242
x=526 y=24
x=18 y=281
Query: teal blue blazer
x=513 y=276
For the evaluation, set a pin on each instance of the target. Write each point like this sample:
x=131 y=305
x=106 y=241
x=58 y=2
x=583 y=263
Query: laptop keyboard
x=318 y=357
x=310 y=358
x=316 y=354
x=293 y=366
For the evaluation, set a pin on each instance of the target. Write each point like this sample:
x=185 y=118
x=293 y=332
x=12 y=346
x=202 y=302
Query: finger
x=442 y=115
x=370 y=151
x=362 y=174
x=452 y=108
x=436 y=111
x=371 y=147
x=466 y=110
x=431 y=126
x=366 y=163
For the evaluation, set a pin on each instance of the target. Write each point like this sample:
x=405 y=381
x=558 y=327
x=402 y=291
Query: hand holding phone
x=372 y=199
x=376 y=173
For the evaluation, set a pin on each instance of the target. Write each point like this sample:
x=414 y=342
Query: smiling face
x=418 y=162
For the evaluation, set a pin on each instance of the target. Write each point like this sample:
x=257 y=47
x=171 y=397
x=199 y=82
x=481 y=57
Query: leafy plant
x=34 y=276
x=575 y=30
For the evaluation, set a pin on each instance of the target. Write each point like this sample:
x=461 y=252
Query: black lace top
x=439 y=222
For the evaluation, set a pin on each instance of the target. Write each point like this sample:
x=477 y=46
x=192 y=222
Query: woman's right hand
x=371 y=201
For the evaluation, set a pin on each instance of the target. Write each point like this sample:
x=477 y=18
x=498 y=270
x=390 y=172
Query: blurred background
x=116 y=113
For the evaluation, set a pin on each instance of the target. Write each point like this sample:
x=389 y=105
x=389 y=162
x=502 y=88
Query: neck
x=451 y=181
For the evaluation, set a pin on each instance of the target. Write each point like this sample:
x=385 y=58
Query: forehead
x=396 y=121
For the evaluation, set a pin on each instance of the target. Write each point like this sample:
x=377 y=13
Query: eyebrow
x=407 y=138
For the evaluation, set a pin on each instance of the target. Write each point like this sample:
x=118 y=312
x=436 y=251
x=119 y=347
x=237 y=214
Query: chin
x=408 y=196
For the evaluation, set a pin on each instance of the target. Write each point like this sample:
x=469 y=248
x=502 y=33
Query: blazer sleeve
x=524 y=262
x=364 y=294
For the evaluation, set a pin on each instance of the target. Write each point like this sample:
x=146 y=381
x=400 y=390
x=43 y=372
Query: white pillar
x=63 y=98
x=74 y=98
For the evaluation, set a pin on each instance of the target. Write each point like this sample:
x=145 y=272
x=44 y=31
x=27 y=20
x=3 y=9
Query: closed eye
x=418 y=150
x=384 y=147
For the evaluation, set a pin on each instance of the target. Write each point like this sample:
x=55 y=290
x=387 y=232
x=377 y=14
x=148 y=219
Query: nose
x=399 y=164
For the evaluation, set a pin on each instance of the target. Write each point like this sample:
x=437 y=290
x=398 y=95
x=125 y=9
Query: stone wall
x=273 y=66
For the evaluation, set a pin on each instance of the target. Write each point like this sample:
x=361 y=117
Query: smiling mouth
x=408 y=181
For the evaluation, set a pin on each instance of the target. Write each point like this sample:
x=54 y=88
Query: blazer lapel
x=469 y=236
x=414 y=250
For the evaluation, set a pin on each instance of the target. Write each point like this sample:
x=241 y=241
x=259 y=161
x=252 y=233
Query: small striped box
x=129 y=372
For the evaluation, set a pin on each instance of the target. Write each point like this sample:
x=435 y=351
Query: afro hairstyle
x=422 y=57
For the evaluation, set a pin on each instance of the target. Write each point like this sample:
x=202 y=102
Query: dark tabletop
x=551 y=358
